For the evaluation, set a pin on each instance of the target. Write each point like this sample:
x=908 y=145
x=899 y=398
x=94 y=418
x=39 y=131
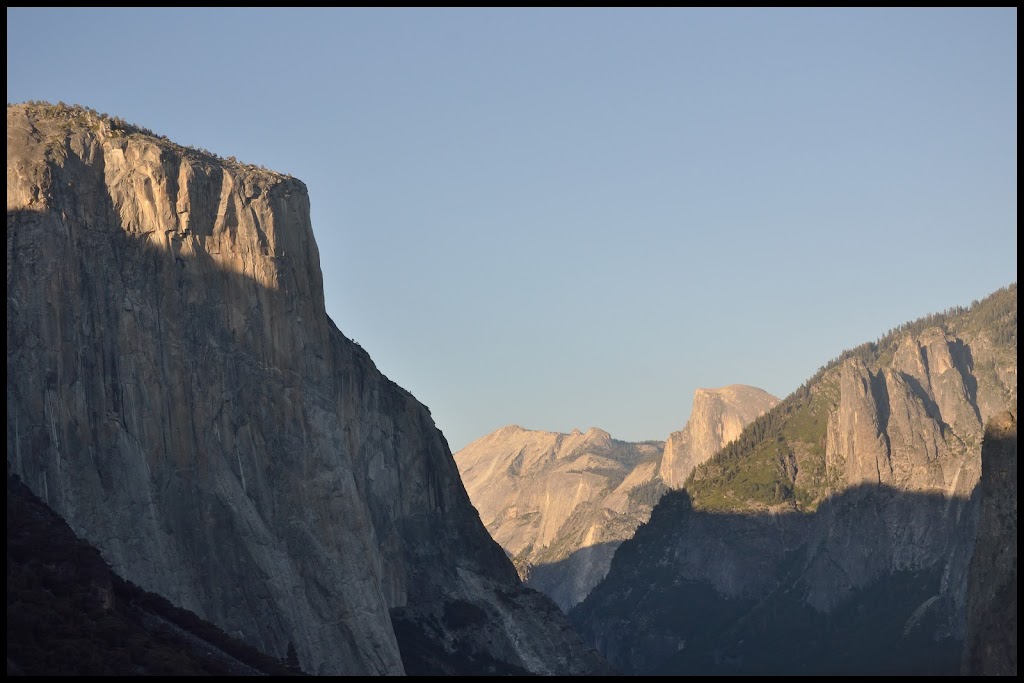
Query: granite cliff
x=177 y=393
x=834 y=535
x=560 y=504
x=717 y=418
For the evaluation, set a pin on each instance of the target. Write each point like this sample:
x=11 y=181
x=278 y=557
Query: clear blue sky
x=574 y=218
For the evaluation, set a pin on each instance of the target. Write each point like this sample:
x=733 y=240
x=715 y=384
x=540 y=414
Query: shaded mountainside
x=562 y=500
x=713 y=593
x=846 y=512
x=560 y=504
x=68 y=614
x=991 y=645
x=177 y=393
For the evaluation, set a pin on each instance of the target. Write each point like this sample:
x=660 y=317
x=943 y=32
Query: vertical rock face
x=991 y=645
x=910 y=425
x=857 y=443
x=718 y=417
x=844 y=518
x=177 y=393
x=559 y=504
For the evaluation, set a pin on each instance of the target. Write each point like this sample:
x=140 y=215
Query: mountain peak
x=718 y=416
x=545 y=495
x=733 y=392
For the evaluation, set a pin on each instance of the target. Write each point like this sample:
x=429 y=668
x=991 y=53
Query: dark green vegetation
x=779 y=459
x=69 y=614
x=648 y=493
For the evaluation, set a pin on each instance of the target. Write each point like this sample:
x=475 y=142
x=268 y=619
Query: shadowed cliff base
x=555 y=578
x=991 y=647
x=178 y=394
x=450 y=643
x=871 y=583
x=69 y=615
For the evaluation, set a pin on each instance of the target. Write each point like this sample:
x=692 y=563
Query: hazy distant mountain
x=177 y=393
x=834 y=535
x=560 y=504
x=560 y=499
x=717 y=418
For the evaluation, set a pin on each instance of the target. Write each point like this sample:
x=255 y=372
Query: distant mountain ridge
x=546 y=495
x=849 y=510
x=559 y=504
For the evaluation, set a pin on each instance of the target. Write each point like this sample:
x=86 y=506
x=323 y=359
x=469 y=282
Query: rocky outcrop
x=834 y=535
x=909 y=425
x=559 y=504
x=177 y=393
x=991 y=644
x=718 y=416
